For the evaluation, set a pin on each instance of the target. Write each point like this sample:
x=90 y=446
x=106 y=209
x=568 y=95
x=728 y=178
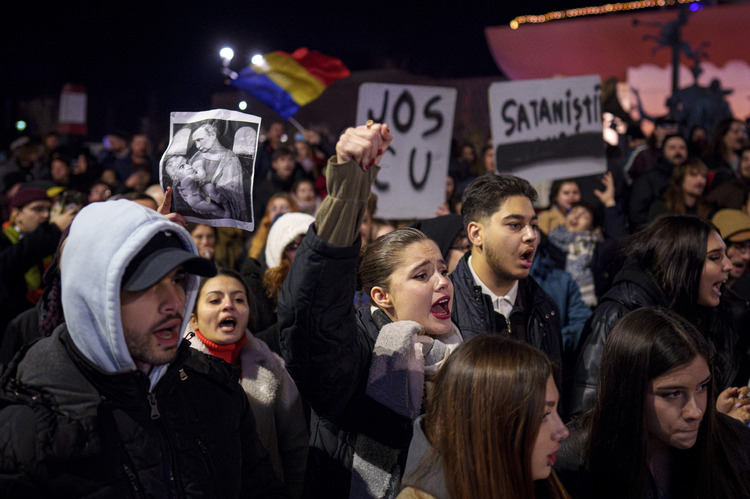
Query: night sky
x=143 y=59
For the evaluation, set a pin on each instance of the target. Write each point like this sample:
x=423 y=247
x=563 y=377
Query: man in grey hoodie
x=115 y=403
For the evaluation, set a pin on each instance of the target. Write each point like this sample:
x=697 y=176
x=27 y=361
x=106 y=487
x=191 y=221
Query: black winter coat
x=534 y=318
x=328 y=346
x=70 y=430
x=634 y=288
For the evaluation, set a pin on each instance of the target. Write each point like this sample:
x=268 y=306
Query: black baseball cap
x=158 y=258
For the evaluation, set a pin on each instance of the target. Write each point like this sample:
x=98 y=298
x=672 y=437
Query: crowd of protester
x=452 y=356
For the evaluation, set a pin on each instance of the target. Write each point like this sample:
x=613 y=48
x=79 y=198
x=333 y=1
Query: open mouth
x=527 y=257
x=169 y=331
x=716 y=288
x=227 y=325
x=441 y=308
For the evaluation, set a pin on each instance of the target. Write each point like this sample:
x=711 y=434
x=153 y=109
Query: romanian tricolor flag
x=286 y=82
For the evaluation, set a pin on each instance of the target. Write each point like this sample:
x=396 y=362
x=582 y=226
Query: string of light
x=593 y=11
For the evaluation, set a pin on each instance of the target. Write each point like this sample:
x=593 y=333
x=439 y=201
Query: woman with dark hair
x=490 y=428
x=220 y=321
x=362 y=369
x=728 y=137
x=678 y=262
x=654 y=431
x=563 y=194
x=686 y=192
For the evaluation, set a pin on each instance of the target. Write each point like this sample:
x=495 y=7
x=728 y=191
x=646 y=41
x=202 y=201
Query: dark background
x=139 y=59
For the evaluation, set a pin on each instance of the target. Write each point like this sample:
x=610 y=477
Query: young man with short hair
x=114 y=403
x=493 y=290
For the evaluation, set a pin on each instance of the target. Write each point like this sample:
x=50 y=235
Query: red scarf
x=228 y=353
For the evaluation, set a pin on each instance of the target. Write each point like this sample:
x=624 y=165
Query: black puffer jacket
x=634 y=288
x=534 y=318
x=70 y=430
x=328 y=346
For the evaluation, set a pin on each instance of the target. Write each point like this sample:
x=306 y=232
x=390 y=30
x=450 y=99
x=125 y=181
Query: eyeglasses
x=743 y=247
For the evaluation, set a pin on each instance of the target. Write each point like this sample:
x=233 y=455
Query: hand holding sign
x=365 y=145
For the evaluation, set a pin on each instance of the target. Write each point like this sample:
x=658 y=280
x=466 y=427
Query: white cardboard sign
x=411 y=182
x=548 y=129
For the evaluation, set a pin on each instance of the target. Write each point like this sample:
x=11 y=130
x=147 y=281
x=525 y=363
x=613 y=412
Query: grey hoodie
x=104 y=238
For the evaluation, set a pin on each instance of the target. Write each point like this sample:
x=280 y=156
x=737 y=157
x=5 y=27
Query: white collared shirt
x=502 y=304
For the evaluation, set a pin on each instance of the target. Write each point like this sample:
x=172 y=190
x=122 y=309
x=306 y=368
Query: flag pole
x=296 y=124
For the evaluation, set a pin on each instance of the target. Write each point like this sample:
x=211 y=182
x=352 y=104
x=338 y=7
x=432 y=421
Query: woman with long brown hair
x=491 y=427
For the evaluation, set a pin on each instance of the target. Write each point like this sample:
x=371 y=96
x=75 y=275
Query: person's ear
x=193 y=321
x=13 y=214
x=475 y=233
x=381 y=298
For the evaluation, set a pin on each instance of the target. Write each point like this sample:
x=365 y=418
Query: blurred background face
x=569 y=194
x=99 y=192
x=305 y=192
x=205 y=240
x=739 y=254
x=745 y=164
x=60 y=171
x=736 y=136
x=31 y=216
x=694 y=183
x=579 y=219
x=277 y=207
x=675 y=150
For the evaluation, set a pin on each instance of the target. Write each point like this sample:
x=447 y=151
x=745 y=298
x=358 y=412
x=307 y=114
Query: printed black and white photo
x=209 y=164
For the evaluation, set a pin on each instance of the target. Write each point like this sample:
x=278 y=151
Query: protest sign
x=411 y=183
x=548 y=129
x=209 y=163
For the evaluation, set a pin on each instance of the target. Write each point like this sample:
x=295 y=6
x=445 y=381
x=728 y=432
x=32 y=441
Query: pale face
x=508 y=242
x=579 y=219
x=551 y=432
x=675 y=150
x=205 y=240
x=569 y=193
x=32 y=215
x=151 y=320
x=675 y=404
x=715 y=271
x=222 y=310
x=739 y=254
x=277 y=207
x=694 y=183
x=419 y=289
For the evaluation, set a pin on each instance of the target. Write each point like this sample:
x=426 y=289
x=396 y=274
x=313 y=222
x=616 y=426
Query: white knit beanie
x=283 y=231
